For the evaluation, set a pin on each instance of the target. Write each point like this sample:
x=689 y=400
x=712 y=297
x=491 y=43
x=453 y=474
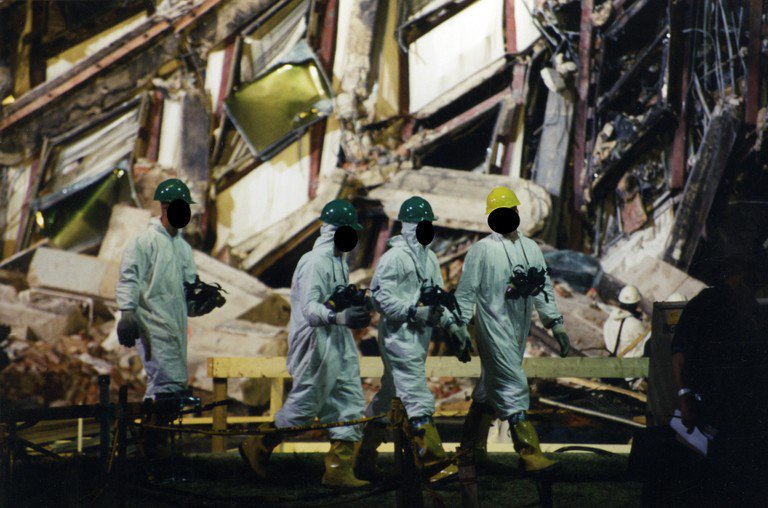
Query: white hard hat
x=676 y=297
x=629 y=295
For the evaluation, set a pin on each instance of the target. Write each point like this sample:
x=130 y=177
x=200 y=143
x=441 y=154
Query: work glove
x=196 y=310
x=562 y=338
x=354 y=317
x=428 y=315
x=460 y=337
x=128 y=328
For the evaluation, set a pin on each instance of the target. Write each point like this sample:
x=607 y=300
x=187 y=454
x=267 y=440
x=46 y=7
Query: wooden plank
x=276 y=389
x=218 y=443
x=370 y=366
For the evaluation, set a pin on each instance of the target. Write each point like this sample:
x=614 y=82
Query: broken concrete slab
x=458 y=197
x=73 y=273
x=657 y=279
x=7 y=293
x=125 y=224
x=243 y=291
x=41 y=324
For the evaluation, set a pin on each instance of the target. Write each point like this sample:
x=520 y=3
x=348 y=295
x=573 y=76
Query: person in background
x=624 y=333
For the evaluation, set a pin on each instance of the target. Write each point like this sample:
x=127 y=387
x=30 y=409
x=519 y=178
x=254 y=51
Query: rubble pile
x=633 y=132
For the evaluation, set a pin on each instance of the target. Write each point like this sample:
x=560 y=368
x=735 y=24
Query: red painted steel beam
x=510 y=30
x=682 y=75
x=580 y=180
x=326 y=51
x=155 y=125
x=121 y=52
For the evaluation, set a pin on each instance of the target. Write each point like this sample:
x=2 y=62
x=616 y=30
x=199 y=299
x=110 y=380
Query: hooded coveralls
x=396 y=287
x=153 y=271
x=502 y=324
x=322 y=357
x=624 y=335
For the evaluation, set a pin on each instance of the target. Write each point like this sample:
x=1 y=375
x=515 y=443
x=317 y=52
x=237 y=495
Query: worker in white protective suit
x=322 y=354
x=152 y=295
x=624 y=333
x=503 y=278
x=407 y=274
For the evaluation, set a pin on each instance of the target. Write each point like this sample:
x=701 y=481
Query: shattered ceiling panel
x=444 y=57
x=273 y=109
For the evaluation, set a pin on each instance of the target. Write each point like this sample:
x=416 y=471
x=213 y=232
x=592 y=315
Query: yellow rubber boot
x=338 y=465
x=430 y=453
x=256 y=450
x=527 y=445
x=474 y=434
x=365 y=463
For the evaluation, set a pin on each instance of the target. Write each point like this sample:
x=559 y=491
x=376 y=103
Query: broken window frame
x=50 y=152
x=300 y=54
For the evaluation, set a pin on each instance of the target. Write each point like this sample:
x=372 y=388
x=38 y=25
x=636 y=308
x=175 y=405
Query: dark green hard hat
x=340 y=212
x=416 y=209
x=172 y=189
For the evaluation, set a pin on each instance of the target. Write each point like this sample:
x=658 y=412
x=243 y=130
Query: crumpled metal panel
x=277 y=106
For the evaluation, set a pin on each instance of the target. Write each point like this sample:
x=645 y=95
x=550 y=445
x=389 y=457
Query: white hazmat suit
x=396 y=286
x=322 y=357
x=625 y=335
x=502 y=324
x=153 y=271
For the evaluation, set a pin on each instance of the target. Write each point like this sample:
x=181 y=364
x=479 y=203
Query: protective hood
x=155 y=223
x=619 y=314
x=325 y=240
x=418 y=251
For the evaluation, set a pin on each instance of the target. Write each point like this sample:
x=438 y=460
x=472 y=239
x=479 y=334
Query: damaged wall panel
x=444 y=57
x=266 y=195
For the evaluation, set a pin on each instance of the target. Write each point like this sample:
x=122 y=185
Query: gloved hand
x=428 y=315
x=460 y=335
x=562 y=338
x=128 y=328
x=354 y=317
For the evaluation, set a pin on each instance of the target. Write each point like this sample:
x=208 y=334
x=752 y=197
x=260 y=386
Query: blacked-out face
x=504 y=220
x=345 y=238
x=178 y=213
x=425 y=232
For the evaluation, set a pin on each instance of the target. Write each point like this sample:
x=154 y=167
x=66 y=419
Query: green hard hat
x=416 y=209
x=340 y=212
x=172 y=189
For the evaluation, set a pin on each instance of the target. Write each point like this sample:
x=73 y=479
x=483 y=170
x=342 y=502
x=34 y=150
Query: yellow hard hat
x=501 y=197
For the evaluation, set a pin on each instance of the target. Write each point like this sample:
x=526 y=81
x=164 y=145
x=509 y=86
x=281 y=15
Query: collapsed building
x=632 y=130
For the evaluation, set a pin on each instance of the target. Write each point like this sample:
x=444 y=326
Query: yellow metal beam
x=322 y=447
x=274 y=367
